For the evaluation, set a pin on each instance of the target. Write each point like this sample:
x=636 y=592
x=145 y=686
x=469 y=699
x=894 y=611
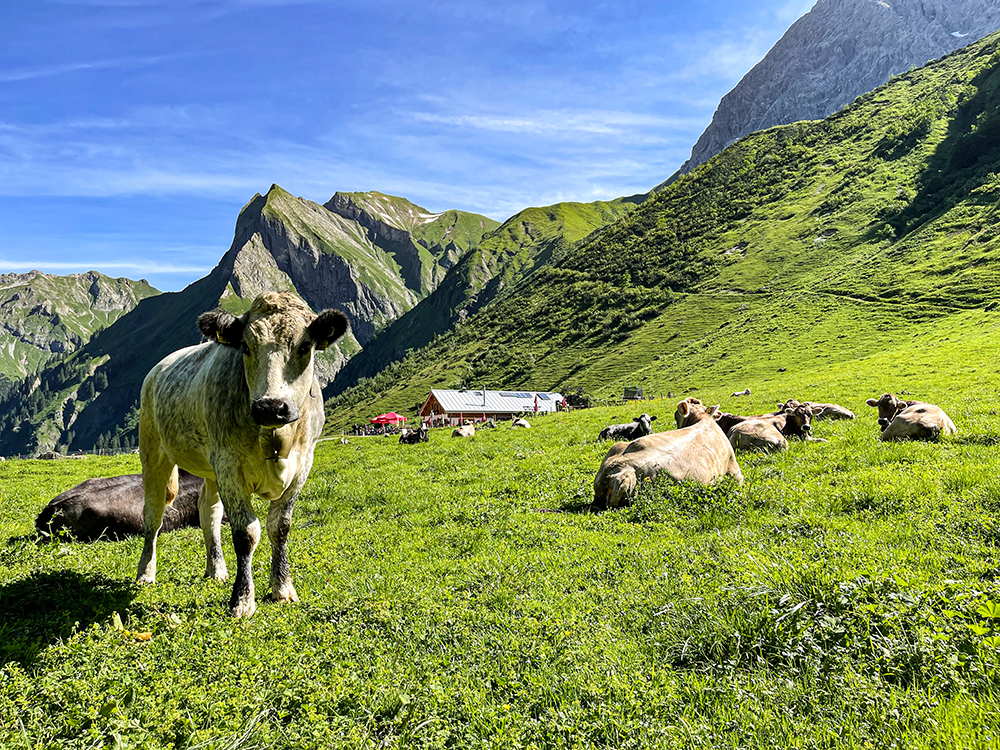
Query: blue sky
x=133 y=131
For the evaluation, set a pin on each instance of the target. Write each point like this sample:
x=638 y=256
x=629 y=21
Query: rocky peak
x=837 y=51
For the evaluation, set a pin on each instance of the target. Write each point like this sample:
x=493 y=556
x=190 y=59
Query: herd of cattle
x=242 y=413
x=703 y=447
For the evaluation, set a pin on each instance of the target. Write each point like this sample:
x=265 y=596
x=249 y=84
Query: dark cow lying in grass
x=242 y=411
x=637 y=428
x=770 y=433
x=412 y=437
x=111 y=508
x=910 y=420
x=697 y=450
x=819 y=411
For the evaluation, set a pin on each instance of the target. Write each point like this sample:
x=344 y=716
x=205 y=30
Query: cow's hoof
x=244 y=609
x=285 y=595
x=146 y=578
x=218 y=574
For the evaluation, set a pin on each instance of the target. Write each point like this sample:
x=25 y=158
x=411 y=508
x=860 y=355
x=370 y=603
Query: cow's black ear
x=328 y=328
x=872 y=402
x=652 y=419
x=224 y=327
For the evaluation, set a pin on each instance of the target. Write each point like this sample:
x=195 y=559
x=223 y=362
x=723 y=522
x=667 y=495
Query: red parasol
x=388 y=418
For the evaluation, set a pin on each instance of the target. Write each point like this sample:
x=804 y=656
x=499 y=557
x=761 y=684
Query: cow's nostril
x=271 y=412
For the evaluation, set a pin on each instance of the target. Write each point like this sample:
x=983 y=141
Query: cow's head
x=888 y=407
x=691 y=410
x=646 y=423
x=788 y=405
x=798 y=421
x=277 y=337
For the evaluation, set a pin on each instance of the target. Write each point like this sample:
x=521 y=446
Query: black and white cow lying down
x=243 y=411
x=637 y=428
x=111 y=508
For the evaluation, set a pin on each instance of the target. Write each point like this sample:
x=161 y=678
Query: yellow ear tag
x=218 y=335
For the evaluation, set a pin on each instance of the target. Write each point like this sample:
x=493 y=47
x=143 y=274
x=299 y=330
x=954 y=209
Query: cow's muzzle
x=273 y=412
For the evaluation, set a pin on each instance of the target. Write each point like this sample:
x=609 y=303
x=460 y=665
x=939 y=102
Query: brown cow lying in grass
x=910 y=420
x=697 y=450
x=111 y=508
x=466 y=430
x=771 y=433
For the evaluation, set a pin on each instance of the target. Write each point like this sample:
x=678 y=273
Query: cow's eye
x=244 y=348
x=304 y=348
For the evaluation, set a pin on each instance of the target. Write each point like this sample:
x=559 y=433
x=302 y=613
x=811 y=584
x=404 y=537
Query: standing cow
x=244 y=412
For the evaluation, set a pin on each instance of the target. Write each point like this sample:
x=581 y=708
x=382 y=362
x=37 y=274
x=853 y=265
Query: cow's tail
x=172 y=486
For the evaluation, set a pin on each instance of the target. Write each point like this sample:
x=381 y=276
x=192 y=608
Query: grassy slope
x=837 y=599
x=885 y=211
x=76 y=319
x=527 y=241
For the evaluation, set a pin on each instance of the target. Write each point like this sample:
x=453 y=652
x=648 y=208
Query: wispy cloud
x=150 y=267
x=47 y=71
x=554 y=122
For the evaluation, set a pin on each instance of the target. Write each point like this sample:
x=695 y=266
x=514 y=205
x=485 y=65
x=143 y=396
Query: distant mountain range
x=836 y=52
x=371 y=255
x=42 y=315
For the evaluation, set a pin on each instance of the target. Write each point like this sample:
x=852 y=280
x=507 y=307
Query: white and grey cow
x=639 y=427
x=243 y=411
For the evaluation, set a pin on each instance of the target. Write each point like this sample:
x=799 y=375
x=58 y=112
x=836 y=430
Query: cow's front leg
x=246 y=535
x=279 y=523
x=210 y=514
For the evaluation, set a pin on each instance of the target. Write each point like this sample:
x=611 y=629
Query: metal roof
x=495 y=402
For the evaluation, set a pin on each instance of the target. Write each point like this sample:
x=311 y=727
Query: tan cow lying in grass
x=697 y=451
x=770 y=433
x=910 y=420
x=819 y=411
x=466 y=430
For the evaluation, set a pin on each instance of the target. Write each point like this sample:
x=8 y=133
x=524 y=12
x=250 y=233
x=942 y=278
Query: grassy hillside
x=459 y=593
x=42 y=315
x=529 y=240
x=811 y=243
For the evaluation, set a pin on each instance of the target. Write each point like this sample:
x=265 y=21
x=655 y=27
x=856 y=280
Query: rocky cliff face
x=42 y=314
x=836 y=52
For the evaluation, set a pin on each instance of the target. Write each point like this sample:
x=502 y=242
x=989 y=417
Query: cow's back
x=759 y=435
x=919 y=422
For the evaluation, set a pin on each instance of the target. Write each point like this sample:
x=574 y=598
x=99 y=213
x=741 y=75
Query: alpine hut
x=447 y=407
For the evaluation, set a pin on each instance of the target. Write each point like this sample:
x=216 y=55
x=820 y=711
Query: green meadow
x=461 y=593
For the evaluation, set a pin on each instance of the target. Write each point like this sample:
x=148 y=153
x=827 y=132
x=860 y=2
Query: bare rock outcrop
x=837 y=51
